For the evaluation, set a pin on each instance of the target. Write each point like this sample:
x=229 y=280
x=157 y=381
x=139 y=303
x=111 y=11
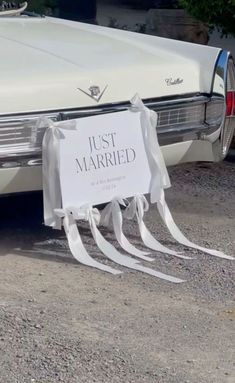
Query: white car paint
x=44 y=61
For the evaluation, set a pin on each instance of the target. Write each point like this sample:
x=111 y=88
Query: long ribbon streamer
x=178 y=235
x=137 y=207
x=76 y=245
x=113 y=254
x=113 y=210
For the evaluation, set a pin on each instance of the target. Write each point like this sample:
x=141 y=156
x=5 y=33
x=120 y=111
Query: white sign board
x=103 y=158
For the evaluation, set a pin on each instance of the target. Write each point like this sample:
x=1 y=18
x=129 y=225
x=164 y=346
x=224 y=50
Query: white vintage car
x=63 y=70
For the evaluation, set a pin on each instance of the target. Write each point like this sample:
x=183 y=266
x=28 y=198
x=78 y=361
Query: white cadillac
x=63 y=70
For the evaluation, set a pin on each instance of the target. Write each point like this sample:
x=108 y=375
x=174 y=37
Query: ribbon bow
x=50 y=168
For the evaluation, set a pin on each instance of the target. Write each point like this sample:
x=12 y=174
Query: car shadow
x=23 y=232
x=231 y=156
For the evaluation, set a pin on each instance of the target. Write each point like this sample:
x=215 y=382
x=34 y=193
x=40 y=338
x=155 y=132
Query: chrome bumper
x=29 y=178
x=179 y=120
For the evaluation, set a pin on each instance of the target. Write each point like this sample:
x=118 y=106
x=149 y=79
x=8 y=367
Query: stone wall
x=176 y=24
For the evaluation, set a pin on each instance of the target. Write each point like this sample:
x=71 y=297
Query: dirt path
x=62 y=322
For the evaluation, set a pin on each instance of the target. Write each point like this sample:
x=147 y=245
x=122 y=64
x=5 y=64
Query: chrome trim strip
x=221 y=70
x=168 y=102
x=168 y=134
x=20 y=161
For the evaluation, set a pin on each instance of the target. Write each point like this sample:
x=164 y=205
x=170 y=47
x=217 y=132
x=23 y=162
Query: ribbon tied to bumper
x=50 y=169
x=160 y=181
x=56 y=216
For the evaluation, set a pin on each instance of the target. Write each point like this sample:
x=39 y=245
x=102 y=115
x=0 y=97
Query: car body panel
x=25 y=179
x=56 y=58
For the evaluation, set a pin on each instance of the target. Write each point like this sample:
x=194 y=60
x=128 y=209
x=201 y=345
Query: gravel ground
x=62 y=322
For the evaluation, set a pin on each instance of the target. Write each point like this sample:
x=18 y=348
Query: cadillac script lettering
x=103 y=154
x=170 y=81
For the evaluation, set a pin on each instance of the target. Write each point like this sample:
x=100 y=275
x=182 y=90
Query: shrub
x=218 y=14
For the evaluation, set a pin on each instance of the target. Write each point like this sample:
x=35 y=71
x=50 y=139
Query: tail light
x=230 y=104
x=228 y=130
x=230 y=96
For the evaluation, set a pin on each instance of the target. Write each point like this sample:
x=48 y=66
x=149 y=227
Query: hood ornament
x=94 y=92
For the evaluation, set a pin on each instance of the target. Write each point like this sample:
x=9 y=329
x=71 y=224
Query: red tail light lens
x=230 y=104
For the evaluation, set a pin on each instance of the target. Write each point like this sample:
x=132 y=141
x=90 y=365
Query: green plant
x=41 y=6
x=218 y=14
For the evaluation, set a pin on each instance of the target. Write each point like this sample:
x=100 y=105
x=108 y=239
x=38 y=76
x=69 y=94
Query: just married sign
x=107 y=159
x=101 y=158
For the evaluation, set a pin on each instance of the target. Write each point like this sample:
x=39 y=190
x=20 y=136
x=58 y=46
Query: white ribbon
x=114 y=255
x=79 y=252
x=178 y=235
x=75 y=242
x=137 y=207
x=113 y=210
x=160 y=179
x=50 y=169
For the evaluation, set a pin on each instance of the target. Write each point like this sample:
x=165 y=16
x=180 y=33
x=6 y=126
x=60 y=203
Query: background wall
x=225 y=43
x=109 y=11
